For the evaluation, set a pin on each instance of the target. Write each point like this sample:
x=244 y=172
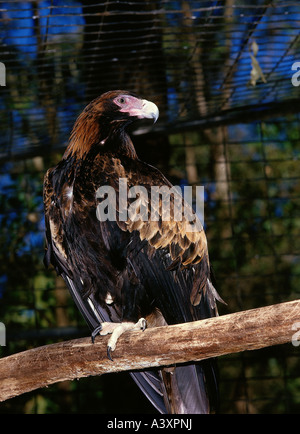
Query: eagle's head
x=104 y=120
x=124 y=105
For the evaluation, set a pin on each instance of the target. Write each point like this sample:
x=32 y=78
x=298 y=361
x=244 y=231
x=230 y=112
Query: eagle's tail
x=186 y=389
x=190 y=389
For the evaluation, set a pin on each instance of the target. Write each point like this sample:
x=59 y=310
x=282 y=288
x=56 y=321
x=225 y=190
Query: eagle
x=129 y=270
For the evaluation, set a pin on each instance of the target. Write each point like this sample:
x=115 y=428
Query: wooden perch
x=161 y=346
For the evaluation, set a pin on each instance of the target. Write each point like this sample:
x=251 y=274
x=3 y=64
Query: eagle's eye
x=122 y=100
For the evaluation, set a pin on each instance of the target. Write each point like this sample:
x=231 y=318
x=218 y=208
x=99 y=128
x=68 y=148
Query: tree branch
x=161 y=346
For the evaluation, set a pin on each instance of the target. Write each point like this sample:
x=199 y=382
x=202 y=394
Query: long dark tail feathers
x=150 y=384
x=186 y=389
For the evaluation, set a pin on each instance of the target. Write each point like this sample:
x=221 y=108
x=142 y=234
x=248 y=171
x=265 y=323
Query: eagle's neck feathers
x=97 y=134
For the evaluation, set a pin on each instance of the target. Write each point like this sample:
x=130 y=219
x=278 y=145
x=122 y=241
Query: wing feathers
x=160 y=228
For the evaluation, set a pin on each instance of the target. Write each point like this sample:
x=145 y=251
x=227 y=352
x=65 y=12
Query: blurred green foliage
x=252 y=208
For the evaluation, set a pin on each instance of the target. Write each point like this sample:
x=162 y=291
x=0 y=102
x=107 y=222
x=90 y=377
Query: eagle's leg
x=117 y=329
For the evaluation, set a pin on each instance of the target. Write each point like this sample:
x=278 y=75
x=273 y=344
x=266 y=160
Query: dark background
x=220 y=72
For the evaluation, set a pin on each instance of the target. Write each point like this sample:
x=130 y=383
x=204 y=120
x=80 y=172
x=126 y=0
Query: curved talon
x=144 y=324
x=95 y=332
x=109 y=353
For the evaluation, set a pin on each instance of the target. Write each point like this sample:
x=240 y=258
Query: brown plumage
x=125 y=269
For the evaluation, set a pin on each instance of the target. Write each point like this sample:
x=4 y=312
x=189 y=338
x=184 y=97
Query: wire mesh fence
x=224 y=75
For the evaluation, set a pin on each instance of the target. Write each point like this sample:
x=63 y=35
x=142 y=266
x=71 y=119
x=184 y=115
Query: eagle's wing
x=57 y=251
x=170 y=253
x=172 y=263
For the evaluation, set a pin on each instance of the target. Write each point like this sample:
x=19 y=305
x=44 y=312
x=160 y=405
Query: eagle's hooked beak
x=149 y=110
x=136 y=107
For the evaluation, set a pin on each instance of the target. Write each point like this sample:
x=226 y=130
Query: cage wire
x=224 y=75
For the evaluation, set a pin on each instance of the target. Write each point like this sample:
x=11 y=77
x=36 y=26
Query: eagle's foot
x=117 y=329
